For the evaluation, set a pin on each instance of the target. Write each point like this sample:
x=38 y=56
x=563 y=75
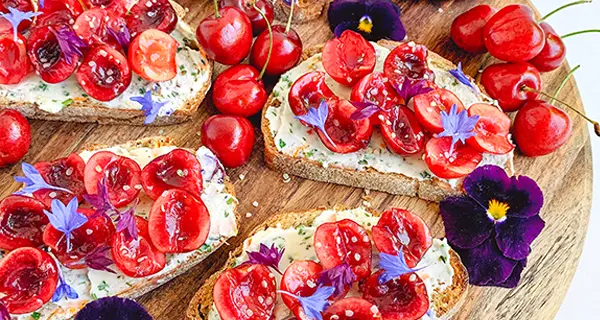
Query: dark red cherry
x=157 y=14
x=287 y=50
x=47 y=57
x=238 y=91
x=258 y=22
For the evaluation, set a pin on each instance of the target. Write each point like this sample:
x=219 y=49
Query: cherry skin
x=226 y=38
x=287 y=50
x=152 y=55
x=14 y=63
x=258 y=22
x=504 y=82
x=238 y=91
x=46 y=56
x=467 y=28
x=308 y=91
x=159 y=15
x=22 y=222
x=231 y=138
x=554 y=52
x=15 y=136
x=104 y=73
x=541 y=128
x=513 y=34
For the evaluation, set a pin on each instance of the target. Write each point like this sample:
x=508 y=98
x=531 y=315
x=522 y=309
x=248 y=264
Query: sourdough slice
x=444 y=302
x=104 y=282
x=304 y=10
x=66 y=101
x=421 y=183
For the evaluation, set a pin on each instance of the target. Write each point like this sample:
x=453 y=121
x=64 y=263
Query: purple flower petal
x=34 y=181
x=343 y=27
x=383 y=16
x=65 y=218
x=100 y=259
x=101 y=201
x=515 y=276
x=486 y=183
x=151 y=108
x=314 y=304
x=113 y=308
x=462 y=78
x=410 y=89
x=393 y=266
x=524 y=197
x=386 y=21
x=70 y=44
x=486 y=264
x=515 y=235
x=457 y=125
x=340 y=277
x=363 y=110
x=268 y=256
x=63 y=289
x=122 y=36
x=15 y=17
x=4 y=315
x=317 y=117
x=466 y=222
x=126 y=221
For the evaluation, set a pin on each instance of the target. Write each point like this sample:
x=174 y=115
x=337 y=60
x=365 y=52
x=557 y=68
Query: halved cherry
x=403 y=298
x=14 y=63
x=61 y=17
x=92 y=26
x=179 y=222
x=376 y=88
x=28 y=279
x=178 y=169
x=408 y=60
x=308 y=91
x=346 y=134
x=352 y=309
x=104 y=73
x=462 y=161
x=344 y=241
x=429 y=106
x=117 y=7
x=73 y=7
x=401 y=131
x=155 y=14
x=137 y=257
x=299 y=279
x=491 y=130
x=47 y=57
x=399 y=229
x=21 y=5
x=246 y=292
x=22 y=222
x=5 y=26
x=348 y=58
x=152 y=55
x=65 y=173
x=123 y=177
x=96 y=232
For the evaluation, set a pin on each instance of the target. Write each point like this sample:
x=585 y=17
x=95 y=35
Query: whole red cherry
x=239 y=91
x=258 y=22
x=231 y=138
x=513 y=34
x=505 y=82
x=467 y=28
x=554 y=52
x=226 y=35
x=541 y=128
x=287 y=50
x=15 y=136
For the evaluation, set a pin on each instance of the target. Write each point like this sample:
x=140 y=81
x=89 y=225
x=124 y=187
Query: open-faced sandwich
x=110 y=221
x=130 y=62
x=336 y=264
x=388 y=116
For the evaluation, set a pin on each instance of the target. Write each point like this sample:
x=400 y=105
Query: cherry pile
x=528 y=47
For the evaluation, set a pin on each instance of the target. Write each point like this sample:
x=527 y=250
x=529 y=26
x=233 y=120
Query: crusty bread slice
x=433 y=189
x=304 y=10
x=85 y=109
x=446 y=303
x=54 y=312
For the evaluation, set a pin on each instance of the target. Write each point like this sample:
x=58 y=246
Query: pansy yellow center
x=497 y=209
x=365 y=24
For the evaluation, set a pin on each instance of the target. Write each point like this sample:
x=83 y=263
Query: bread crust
x=445 y=303
x=304 y=10
x=433 y=189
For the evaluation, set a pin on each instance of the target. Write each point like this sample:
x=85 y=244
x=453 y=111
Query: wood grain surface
x=565 y=177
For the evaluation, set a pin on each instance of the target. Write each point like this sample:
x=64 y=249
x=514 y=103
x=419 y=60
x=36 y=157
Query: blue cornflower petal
x=317 y=117
x=314 y=304
x=267 y=256
x=15 y=17
x=462 y=78
x=394 y=266
x=150 y=107
x=457 y=125
x=65 y=218
x=33 y=181
x=63 y=289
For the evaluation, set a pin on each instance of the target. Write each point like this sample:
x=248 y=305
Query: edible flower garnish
x=15 y=17
x=108 y=307
x=66 y=218
x=70 y=44
x=100 y=201
x=267 y=256
x=462 y=78
x=408 y=89
x=340 y=277
x=314 y=304
x=317 y=117
x=99 y=259
x=373 y=19
x=122 y=36
x=33 y=181
x=126 y=221
x=63 y=289
x=364 y=110
x=4 y=315
x=393 y=266
x=431 y=314
x=457 y=125
x=212 y=167
x=150 y=107
x=494 y=224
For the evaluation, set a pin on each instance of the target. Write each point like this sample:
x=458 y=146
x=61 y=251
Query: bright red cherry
x=505 y=82
x=92 y=26
x=447 y=164
x=467 y=28
x=239 y=91
x=178 y=169
x=287 y=50
x=345 y=135
x=152 y=55
x=15 y=136
x=513 y=34
x=349 y=58
x=258 y=22
x=554 y=52
x=137 y=257
x=541 y=128
x=231 y=138
x=308 y=91
x=491 y=131
x=47 y=57
x=401 y=131
x=404 y=297
x=226 y=36
x=62 y=17
x=22 y=222
x=104 y=73
x=65 y=173
x=118 y=7
x=156 y=14
x=21 y=5
x=55 y=11
x=297 y=280
x=14 y=63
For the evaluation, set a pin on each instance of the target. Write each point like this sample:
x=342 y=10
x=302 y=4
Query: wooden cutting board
x=565 y=177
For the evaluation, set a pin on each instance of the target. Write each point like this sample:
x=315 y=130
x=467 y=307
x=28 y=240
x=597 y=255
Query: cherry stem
x=579 y=32
x=289 y=22
x=262 y=14
x=217 y=14
x=563 y=7
x=563 y=83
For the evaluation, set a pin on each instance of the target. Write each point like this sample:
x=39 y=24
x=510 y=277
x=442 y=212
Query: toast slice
x=66 y=101
x=302 y=162
x=443 y=301
x=91 y=284
x=304 y=10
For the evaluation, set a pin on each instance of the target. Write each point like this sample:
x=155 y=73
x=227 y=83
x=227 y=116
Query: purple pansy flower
x=70 y=44
x=122 y=36
x=339 y=277
x=63 y=289
x=33 y=181
x=15 y=17
x=462 y=78
x=457 y=125
x=113 y=308
x=317 y=117
x=314 y=304
x=151 y=108
x=494 y=224
x=393 y=266
x=410 y=89
x=267 y=256
x=66 y=218
x=373 y=19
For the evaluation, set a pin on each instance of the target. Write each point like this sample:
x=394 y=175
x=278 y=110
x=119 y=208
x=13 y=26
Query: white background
x=583 y=298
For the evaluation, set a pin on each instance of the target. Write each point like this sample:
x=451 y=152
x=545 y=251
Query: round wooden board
x=565 y=177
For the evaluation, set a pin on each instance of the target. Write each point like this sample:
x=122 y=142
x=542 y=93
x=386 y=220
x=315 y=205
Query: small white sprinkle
x=354 y=239
x=69 y=172
x=440 y=10
x=357 y=256
x=249 y=311
x=413 y=277
x=269 y=301
x=52 y=194
x=261 y=299
x=242 y=176
x=126 y=187
x=334 y=317
x=349 y=313
x=318 y=245
x=374 y=309
x=264 y=284
x=248 y=214
x=255 y=204
x=98 y=169
x=89 y=231
x=311 y=284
